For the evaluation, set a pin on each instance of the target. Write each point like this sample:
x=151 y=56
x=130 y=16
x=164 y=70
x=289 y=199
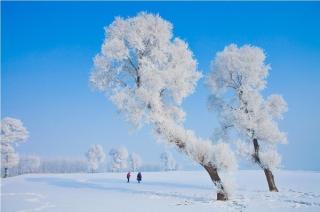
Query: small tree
x=135 y=161
x=29 y=164
x=238 y=76
x=64 y=165
x=147 y=73
x=119 y=159
x=95 y=157
x=168 y=162
x=12 y=132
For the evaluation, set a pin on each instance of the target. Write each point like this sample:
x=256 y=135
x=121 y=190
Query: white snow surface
x=159 y=191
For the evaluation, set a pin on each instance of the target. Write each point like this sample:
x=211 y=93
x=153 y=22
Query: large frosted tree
x=147 y=73
x=95 y=157
x=238 y=76
x=12 y=133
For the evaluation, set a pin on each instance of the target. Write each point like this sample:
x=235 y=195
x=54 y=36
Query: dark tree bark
x=267 y=172
x=213 y=173
x=270 y=179
x=5 y=172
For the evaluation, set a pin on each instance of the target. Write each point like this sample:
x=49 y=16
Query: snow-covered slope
x=159 y=191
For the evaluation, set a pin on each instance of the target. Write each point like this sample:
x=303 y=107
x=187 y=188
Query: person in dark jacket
x=128 y=176
x=139 y=177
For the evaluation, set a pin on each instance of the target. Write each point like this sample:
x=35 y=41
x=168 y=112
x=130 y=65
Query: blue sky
x=46 y=57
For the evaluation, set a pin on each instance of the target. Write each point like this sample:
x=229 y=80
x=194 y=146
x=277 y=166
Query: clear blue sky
x=47 y=51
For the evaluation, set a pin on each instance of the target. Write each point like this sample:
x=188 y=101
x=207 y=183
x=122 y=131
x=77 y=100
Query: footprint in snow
x=186 y=202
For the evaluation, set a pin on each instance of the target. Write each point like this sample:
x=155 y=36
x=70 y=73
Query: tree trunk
x=5 y=172
x=213 y=173
x=267 y=172
x=270 y=179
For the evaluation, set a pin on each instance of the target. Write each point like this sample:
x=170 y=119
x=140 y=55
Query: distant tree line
x=13 y=133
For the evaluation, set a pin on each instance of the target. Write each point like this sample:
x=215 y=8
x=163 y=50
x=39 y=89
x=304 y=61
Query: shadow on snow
x=71 y=183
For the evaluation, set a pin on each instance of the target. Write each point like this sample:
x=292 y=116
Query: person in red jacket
x=128 y=177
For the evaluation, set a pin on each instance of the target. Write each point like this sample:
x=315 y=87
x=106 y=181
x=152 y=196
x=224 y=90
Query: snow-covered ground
x=159 y=191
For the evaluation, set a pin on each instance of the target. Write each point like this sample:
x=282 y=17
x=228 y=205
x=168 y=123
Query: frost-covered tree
x=63 y=165
x=9 y=158
x=238 y=76
x=119 y=159
x=168 y=162
x=147 y=73
x=95 y=157
x=12 y=133
x=135 y=161
x=29 y=164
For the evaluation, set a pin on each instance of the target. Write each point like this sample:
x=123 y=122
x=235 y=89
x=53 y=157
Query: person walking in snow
x=128 y=176
x=139 y=177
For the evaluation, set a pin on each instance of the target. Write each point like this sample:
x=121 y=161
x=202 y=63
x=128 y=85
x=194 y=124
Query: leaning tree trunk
x=267 y=172
x=213 y=173
x=270 y=179
x=181 y=145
